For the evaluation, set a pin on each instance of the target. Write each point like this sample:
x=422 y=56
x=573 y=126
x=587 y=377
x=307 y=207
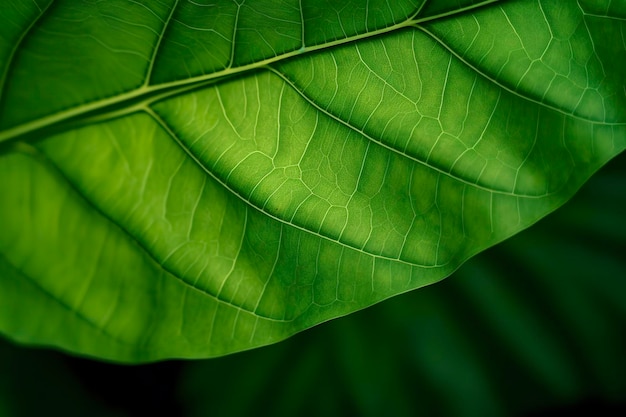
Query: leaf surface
x=190 y=179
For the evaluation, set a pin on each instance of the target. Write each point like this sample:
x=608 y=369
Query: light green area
x=190 y=179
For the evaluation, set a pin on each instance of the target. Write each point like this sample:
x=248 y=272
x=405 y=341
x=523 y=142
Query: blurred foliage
x=530 y=327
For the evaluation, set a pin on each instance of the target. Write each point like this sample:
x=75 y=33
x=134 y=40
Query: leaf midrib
x=144 y=95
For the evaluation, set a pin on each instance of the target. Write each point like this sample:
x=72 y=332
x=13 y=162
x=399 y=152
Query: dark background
x=535 y=326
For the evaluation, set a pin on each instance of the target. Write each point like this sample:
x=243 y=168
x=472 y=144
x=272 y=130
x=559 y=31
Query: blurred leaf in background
x=535 y=326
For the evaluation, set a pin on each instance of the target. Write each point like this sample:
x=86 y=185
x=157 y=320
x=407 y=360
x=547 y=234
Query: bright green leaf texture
x=190 y=178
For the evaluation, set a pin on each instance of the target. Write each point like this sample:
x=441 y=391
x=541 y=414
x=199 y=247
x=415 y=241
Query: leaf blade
x=283 y=189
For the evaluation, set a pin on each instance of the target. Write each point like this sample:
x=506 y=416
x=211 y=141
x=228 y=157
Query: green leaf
x=190 y=179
